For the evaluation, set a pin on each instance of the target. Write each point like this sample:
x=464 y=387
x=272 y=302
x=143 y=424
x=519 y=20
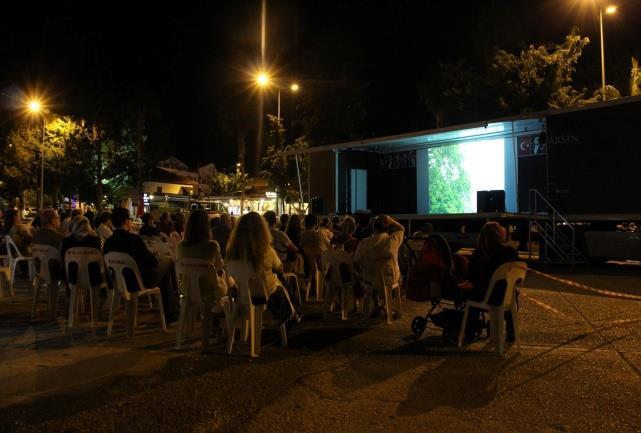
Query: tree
x=449 y=185
x=280 y=171
x=225 y=183
x=541 y=77
x=635 y=78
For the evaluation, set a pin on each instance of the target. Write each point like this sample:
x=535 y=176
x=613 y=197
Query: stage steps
x=556 y=235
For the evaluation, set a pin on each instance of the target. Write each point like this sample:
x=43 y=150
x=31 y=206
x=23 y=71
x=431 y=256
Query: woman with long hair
x=249 y=252
x=197 y=242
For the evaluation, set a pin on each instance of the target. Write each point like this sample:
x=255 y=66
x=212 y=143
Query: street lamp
x=263 y=80
x=36 y=108
x=608 y=10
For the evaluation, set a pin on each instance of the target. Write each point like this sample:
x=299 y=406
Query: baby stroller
x=433 y=280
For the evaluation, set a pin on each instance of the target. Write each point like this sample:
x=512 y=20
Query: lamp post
x=263 y=81
x=36 y=108
x=608 y=10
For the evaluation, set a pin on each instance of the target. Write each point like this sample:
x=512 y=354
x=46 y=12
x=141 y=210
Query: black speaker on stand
x=497 y=200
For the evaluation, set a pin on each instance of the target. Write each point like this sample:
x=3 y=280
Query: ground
x=579 y=370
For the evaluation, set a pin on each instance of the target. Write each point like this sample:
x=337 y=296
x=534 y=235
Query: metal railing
x=547 y=221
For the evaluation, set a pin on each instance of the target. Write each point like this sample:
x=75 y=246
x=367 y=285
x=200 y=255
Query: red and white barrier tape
x=586 y=287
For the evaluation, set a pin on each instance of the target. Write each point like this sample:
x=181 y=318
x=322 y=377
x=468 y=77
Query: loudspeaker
x=490 y=201
x=318 y=207
x=497 y=201
x=482 y=201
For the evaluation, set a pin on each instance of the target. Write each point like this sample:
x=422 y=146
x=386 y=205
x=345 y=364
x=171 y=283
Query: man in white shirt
x=380 y=251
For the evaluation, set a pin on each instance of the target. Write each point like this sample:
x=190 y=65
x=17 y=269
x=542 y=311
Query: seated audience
x=154 y=272
x=20 y=233
x=198 y=244
x=82 y=235
x=249 y=253
x=222 y=231
x=280 y=241
x=105 y=229
x=148 y=226
x=165 y=224
x=48 y=233
x=491 y=252
x=284 y=219
x=380 y=251
x=346 y=238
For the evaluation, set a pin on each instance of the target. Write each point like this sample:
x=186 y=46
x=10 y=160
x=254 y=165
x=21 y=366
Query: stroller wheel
x=419 y=323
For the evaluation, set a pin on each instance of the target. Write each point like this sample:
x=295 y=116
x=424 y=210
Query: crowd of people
x=268 y=246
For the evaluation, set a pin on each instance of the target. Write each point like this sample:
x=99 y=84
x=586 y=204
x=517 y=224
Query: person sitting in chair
x=491 y=252
x=154 y=271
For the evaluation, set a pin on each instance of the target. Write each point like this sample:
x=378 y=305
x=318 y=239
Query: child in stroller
x=434 y=279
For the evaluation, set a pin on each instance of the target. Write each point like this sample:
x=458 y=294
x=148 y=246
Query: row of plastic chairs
x=334 y=272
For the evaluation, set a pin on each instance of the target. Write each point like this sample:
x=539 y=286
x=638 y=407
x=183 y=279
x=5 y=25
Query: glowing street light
x=608 y=10
x=262 y=79
x=294 y=87
x=36 y=107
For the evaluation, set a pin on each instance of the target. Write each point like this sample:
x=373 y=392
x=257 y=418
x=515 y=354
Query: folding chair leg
x=515 y=323
x=91 y=305
x=130 y=323
x=399 y=303
x=134 y=300
x=255 y=323
x=12 y=280
x=36 y=292
x=181 y=323
x=163 y=323
x=388 y=302
x=461 y=333
x=73 y=301
x=319 y=286
x=115 y=300
x=344 y=310
x=230 y=319
x=283 y=335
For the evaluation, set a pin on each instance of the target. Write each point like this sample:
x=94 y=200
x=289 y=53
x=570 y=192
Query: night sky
x=191 y=64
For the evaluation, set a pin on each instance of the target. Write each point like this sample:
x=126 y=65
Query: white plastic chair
x=191 y=273
x=513 y=273
x=251 y=315
x=82 y=257
x=118 y=263
x=316 y=276
x=390 y=289
x=44 y=256
x=333 y=260
x=15 y=257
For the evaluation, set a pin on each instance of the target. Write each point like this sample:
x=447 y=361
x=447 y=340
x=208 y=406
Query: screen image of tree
x=457 y=171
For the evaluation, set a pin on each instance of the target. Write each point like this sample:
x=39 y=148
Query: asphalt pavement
x=579 y=370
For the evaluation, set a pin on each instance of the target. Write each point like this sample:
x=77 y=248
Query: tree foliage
x=280 y=171
x=540 y=77
x=449 y=185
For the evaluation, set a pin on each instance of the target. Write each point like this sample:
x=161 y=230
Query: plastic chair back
x=335 y=260
x=12 y=249
x=118 y=264
x=242 y=273
x=191 y=273
x=77 y=263
x=44 y=257
x=512 y=273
